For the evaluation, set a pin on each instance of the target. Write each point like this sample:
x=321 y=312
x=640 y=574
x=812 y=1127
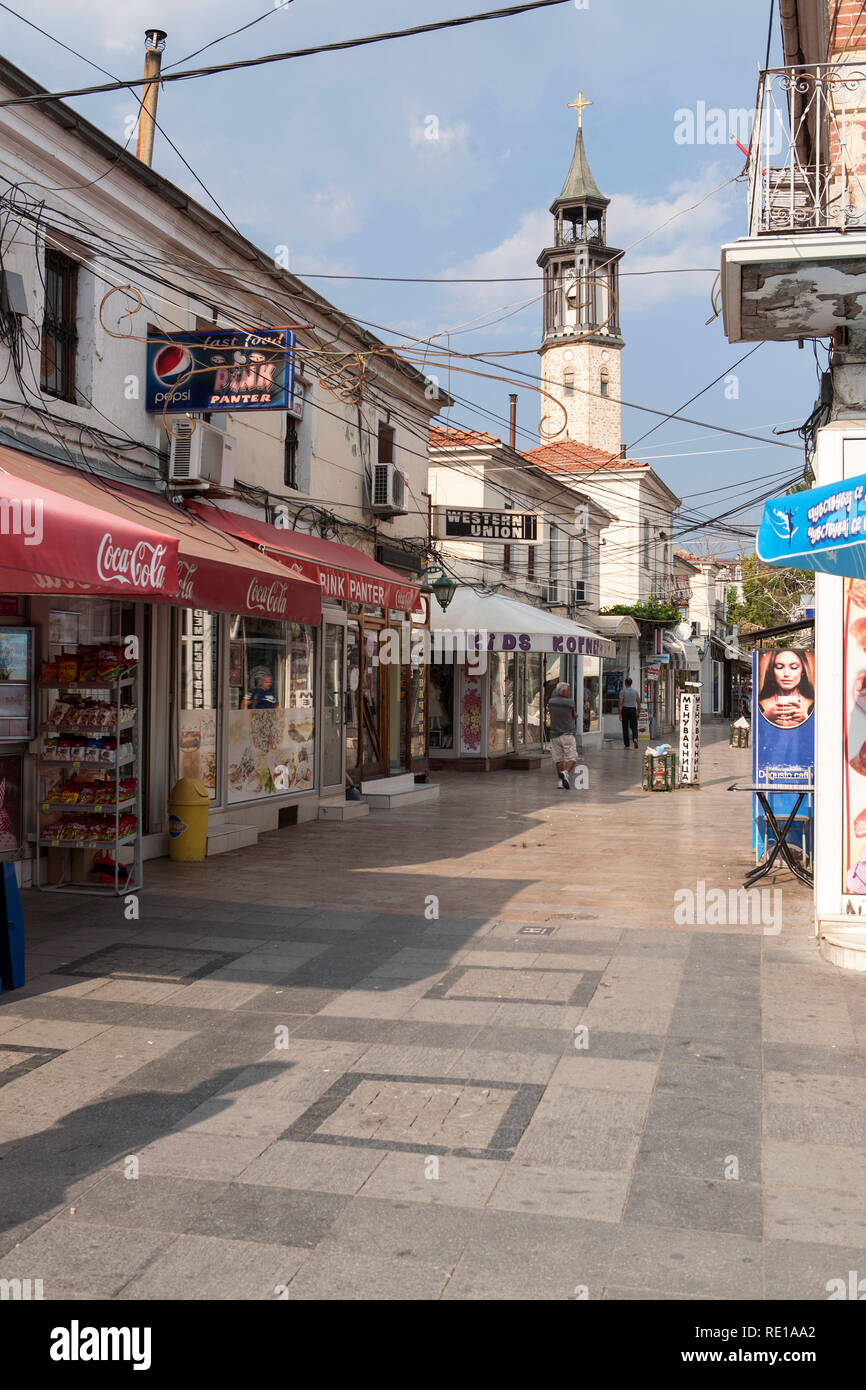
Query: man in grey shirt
x=563 y=722
x=629 y=709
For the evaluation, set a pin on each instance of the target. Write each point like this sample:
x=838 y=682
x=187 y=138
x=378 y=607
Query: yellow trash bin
x=187 y=821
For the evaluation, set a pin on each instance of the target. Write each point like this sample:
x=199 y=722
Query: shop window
x=59 y=326
x=591 y=695
x=442 y=705
x=198 y=730
x=501 y=713
x=290 y=456
x=353 y=699
x=385 y=452
x=534 y=662
x=271 y=708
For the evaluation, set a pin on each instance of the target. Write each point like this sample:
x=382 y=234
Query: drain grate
x=536 y=931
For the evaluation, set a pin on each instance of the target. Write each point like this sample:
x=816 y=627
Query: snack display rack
x=88 y=779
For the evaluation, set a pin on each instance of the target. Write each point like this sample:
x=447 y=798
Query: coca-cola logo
x=141 y=566
x=267 y=598
x=185 y=578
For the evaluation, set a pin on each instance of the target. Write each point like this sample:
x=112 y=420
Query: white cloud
x=430 y=138
x=331 y=214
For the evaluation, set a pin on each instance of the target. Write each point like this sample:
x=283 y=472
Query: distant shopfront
x=372 y=709
x=488 y=694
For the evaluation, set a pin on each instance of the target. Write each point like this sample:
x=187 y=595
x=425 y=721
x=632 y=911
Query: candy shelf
x=102 y=794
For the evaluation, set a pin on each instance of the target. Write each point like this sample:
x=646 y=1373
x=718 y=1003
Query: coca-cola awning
x=123 y=541
x=56 y=533
x=341 y=571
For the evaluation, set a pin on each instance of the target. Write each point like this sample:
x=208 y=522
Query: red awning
x=341 y=571
x=203 y=566
x=218 y=572
x=56 y=533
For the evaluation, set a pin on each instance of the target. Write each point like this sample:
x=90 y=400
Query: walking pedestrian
x=629 y=710
x=562 y=714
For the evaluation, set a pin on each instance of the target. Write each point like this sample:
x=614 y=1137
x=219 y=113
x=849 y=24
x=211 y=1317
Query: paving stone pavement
x=469 y=1051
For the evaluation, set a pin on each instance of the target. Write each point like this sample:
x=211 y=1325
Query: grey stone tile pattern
x=611 y=1180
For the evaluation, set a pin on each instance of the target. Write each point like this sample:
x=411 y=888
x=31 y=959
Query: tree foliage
x=771 y=595
x=651 y=610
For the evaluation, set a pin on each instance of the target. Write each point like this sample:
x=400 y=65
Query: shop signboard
x=510 y=527
x=690 y=735
x=783 y=727
x=221 y=369
x=820 y=529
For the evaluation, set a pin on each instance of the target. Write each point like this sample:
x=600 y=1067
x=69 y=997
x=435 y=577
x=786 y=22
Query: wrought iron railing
x=807 y=156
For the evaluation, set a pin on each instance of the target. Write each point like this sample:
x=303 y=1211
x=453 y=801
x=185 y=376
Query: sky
x=331 y=156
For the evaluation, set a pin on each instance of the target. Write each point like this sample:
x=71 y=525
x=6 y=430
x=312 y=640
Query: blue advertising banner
x=783 y=728
x=821 y=529
x=223 y=369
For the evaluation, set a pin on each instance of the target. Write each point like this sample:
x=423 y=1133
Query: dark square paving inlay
x=153 y=964
x=479 y=984
x=420 y=1114
x=16 y=1060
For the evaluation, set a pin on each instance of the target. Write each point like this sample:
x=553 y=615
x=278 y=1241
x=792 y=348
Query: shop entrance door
x=333 y=743
x=375 y=700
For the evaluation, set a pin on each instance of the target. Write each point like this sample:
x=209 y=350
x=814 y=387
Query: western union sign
x=509 y=527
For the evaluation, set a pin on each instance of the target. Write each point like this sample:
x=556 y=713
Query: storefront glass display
x=353 y=697
x=591 y=694
x=442 y=705
x=471 y=714
x=199 y=694
x=519 y=686
x=333 y=637
x=501 y=678
x=371 y=703
x=534 y=664
x=272 y=725
x=11 y=803
x=16 y=683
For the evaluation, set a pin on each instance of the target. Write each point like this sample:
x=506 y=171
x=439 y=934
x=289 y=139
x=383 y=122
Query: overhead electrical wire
x=240 y=63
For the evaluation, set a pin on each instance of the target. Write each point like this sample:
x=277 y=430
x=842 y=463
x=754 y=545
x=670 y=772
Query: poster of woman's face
x=786 y=687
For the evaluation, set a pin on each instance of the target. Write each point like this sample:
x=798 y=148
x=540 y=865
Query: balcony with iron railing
x=800 y=272
x=807 y=158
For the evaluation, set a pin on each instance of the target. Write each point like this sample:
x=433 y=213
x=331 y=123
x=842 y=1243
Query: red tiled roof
x=569 y=456
x=443 y=438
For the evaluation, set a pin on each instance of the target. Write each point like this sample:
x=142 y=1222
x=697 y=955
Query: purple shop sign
x=543 y=642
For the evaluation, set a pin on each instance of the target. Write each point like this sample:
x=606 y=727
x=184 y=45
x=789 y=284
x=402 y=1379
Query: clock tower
x=581 y=343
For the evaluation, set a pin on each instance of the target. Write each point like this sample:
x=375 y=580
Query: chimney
x=622 y=452
x=512 y=422
x=154 y=42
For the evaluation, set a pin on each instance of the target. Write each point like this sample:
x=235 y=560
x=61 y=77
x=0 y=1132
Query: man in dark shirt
x=629 y=709
x=563 y=721
x=262 y=695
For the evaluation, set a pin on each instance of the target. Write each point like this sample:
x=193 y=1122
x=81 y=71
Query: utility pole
x=154 y=40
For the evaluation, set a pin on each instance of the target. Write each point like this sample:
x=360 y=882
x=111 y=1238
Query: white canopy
x=505 y=625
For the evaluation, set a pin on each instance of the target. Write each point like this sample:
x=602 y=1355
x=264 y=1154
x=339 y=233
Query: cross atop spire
x=578 y=106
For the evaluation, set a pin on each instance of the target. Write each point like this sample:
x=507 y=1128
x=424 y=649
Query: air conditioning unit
x=201 y=456
x=389 y=490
